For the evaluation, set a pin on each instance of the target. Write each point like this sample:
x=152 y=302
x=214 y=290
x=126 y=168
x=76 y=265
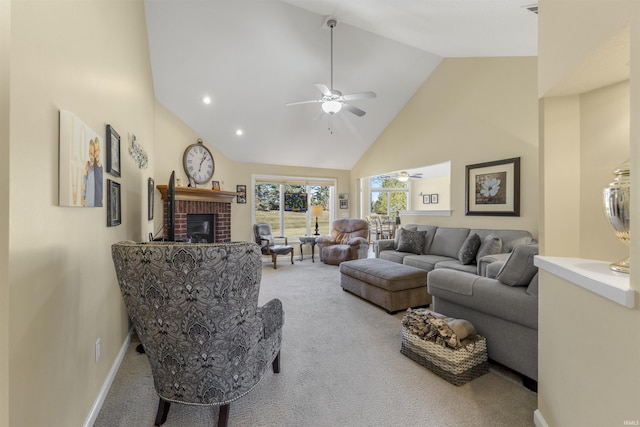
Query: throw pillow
x=491 y=245
x=519 y=268
x=411 y=241
x=469 y=249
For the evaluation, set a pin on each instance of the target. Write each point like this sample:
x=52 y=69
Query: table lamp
x=316 y=210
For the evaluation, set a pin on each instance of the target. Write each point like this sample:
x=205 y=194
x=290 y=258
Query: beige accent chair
x=348 y=241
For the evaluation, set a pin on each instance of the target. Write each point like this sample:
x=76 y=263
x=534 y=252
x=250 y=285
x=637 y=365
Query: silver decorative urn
x=616 y=206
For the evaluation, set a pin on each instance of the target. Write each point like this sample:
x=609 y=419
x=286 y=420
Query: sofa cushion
x=394 y=256
x=457 y=265
x=490 y=245
x=425 y=262
x=411 y=241
x=519 y=268
x=469 y=249
x=447 y=241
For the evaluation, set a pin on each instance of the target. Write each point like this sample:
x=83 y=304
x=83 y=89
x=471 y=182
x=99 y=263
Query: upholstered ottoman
x=390 y=285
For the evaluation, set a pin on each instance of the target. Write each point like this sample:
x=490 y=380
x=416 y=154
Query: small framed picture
x=114 y=210
x=344 y=204
x=343 y=196
x=434 y=199
x=241 y=197
x=150 y=198
x=215 y=185
x=426 y=199
x=113 y=151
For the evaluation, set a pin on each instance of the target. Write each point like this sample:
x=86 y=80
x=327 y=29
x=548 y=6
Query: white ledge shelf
x=426 y=213
x=592 y=275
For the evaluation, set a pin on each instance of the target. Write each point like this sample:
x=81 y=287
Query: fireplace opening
x=201 y=228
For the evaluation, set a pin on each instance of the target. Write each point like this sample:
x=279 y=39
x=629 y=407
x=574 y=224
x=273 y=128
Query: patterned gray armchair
x=195 y=309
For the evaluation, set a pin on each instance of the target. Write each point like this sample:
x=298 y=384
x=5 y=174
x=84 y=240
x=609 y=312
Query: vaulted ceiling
x=251 y=57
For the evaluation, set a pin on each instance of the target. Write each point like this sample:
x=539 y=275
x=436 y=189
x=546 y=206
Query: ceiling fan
x=333 y=100
x=404 y=176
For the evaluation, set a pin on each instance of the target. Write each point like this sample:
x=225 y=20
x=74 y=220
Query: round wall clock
x=198 y=162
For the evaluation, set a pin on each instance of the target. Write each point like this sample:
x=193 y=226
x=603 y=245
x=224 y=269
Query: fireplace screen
x=201 y=228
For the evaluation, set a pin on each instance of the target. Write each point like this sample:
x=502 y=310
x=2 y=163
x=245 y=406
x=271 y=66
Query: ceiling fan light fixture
x=402 y=177
x=331 y=107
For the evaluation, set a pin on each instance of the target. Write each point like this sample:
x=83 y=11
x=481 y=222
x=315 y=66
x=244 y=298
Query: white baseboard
x=538 y=419
x=97 y=405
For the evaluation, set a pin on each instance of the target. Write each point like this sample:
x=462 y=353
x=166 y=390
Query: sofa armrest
x=325 y=240
x=385 y=245
x=488 y=296
x=485 y=261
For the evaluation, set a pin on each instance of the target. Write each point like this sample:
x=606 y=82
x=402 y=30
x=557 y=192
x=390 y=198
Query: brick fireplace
x=200 y=201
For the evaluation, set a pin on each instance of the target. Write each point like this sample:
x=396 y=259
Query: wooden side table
x=311 y=240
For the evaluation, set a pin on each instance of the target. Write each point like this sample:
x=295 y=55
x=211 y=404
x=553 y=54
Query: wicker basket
x=456 y=366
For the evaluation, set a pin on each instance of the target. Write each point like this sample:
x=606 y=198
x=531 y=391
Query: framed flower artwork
x=493 y=188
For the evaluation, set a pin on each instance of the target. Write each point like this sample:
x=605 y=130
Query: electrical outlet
x=98 y=350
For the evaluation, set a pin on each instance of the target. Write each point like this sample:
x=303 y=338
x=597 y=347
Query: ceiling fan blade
x=324 y=89
x=355 y=110
x=361 y=95
x=304 y=102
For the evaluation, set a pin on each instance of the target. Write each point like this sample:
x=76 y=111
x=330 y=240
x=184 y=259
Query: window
x=388 y=195
x=284 y=203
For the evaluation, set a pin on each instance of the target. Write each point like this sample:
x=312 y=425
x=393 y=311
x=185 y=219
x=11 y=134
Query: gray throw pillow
x=519 y=268
x=411 y=241
x=491 y=245
x=469 y=249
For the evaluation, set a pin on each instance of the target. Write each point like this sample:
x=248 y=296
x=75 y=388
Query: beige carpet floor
x=341 y=366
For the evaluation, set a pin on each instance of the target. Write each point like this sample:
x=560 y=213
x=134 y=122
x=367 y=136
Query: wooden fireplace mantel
x=198 y=194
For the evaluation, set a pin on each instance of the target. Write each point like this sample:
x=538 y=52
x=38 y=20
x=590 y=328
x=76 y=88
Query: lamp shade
x=331 y=107
x=316 y=210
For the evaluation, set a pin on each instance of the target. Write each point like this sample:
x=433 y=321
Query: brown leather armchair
x=348 y=240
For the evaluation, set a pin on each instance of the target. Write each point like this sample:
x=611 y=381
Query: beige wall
x=440 y=186
x=470 y=110
x=90 y=58
x=5 y=38
x=584 y=378
x=172 y=138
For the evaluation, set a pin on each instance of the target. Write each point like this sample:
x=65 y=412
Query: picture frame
x=493 y=188
x=150 y=198
x=79 y=145
x=113 y=152
x=114 y=210
x=434 y=199
x=426 y=199
x=241 y=196
x=343 y=196
x=344 y=204
x=215 y=185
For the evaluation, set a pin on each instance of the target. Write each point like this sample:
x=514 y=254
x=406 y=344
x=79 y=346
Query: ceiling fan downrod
x=331 y=23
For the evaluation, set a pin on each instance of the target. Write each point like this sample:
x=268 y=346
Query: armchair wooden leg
x=223 y=416
x=291 y=256
x=274 y=258
x=163 y=411
x=275 y=365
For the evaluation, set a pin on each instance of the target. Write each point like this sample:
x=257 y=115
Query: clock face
x=198 y=163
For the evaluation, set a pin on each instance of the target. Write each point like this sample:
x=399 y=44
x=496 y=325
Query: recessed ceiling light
x=206 y=100
x=239 y=132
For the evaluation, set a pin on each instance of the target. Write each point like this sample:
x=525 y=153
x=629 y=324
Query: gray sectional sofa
x=492 y=284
